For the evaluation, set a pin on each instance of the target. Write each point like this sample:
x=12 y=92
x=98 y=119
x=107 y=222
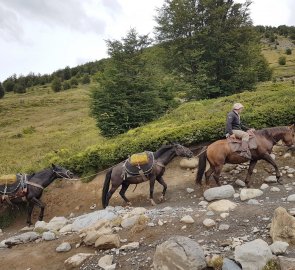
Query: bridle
x=67 y=173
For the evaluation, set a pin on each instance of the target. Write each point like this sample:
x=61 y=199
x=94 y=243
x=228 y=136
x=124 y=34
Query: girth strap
x=34 y=184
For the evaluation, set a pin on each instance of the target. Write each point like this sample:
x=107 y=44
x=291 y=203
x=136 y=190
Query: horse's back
x=218 y=151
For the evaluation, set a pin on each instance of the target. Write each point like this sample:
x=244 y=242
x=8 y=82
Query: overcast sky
x=42 y=36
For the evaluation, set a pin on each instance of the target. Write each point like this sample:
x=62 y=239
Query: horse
x=30 y=188
x=117 y=176
x=219 y=153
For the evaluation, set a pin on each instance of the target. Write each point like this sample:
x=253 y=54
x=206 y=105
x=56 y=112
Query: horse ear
x=292 y=127
x=53 y=166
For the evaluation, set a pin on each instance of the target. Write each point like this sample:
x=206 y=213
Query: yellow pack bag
x=139 y=159
x=7 y=179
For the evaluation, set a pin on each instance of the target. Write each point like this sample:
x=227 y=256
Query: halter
x=60 y=175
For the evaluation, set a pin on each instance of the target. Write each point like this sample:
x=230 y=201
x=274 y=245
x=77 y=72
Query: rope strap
x=34 y=184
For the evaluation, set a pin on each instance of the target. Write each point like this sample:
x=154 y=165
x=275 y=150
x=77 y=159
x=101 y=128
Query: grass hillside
x=273 y=51
x=40 y=122
x=40 y=126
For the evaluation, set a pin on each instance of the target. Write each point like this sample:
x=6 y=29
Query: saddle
x=236 y=144
x=11 y=190
x=139 y=164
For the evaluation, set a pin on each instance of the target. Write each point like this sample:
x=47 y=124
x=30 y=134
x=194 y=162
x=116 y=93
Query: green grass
x=272 y=56
x=41 y=122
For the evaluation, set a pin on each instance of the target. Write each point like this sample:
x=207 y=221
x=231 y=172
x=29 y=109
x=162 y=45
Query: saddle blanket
x=236 y=144
x=134 y=170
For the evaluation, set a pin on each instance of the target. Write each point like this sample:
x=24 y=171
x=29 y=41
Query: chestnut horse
x=219 y=153
x=31 y=188
x=161 y=158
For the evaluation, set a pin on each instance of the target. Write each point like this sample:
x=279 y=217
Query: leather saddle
x=143 y=169
x=236 y=144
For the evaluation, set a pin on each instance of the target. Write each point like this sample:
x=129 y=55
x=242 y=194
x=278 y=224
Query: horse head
x=62 y=172
x=182 y=151
x=289 y=138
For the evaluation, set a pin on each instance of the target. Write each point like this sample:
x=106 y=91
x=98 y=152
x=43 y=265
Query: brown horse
x=219 y=153
x=162 y=157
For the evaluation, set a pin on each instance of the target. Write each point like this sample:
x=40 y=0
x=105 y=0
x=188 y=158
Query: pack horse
x=30 y=188
x=149 y=166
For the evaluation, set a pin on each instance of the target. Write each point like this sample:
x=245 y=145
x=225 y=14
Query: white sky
x=42 y=36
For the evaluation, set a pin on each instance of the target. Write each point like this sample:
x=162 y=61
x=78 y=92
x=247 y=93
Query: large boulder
x=283 y=226
x=179 y=253
x=253 y=255
x=218 y=193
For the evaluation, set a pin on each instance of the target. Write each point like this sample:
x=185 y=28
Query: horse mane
x=162 y=150
x=271 y=132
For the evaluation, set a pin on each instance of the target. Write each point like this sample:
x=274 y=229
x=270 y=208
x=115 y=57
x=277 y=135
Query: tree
x=282 y=60
x=128 y=95
x=56 y=84
x=211 y=44
x=67 y=73
x=2 y=93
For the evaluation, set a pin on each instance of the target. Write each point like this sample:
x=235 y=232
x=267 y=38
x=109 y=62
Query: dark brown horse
x=162 y=157
x=30 y=188
x=219 y=153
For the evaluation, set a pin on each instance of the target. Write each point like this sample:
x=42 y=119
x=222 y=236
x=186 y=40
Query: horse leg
x=30 y=211
x=152 y=184
x=216 y=174
x=110 y=193
x=270 y=160
x=162 y=182
x=123 y=191
x=42 y=207
x=208 y=174
x=250 y=171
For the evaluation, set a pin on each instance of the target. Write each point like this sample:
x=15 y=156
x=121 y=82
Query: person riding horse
x=235 y=129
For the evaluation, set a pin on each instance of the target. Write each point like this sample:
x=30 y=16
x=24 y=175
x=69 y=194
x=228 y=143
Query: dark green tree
x=56 y=84
x=67 y=73
x=128 y=95
x=211 y=44
x=2 y=93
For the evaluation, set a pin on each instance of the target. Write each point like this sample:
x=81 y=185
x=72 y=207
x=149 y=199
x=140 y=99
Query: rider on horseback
x=235 y=129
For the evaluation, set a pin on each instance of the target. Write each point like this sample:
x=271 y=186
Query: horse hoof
x=153 y=202
x=129 y=203
x=162 y=199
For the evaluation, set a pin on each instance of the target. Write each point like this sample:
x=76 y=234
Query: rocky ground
x=217 y=232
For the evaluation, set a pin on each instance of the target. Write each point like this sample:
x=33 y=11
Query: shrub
x=66 y=85
x=288 y=51
x=85 y=79
x=56 y=84
x=2 y=93
x=282 y=60
x=74 y=82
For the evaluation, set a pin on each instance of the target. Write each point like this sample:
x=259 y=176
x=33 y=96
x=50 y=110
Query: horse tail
x=105 y=189
x=202 y=165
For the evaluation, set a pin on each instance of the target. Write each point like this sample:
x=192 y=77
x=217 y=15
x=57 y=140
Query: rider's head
x=238 y=106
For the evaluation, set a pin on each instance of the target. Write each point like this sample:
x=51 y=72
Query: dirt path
x=64 y=198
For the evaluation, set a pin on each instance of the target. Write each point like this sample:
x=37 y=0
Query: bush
x=19 y=88
x=85 y=79
x=2 y=93
x=56 y=84
x=282 y=60
x=66 y=85
x=74 y=82
x=288 y=51
x=190 y=123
